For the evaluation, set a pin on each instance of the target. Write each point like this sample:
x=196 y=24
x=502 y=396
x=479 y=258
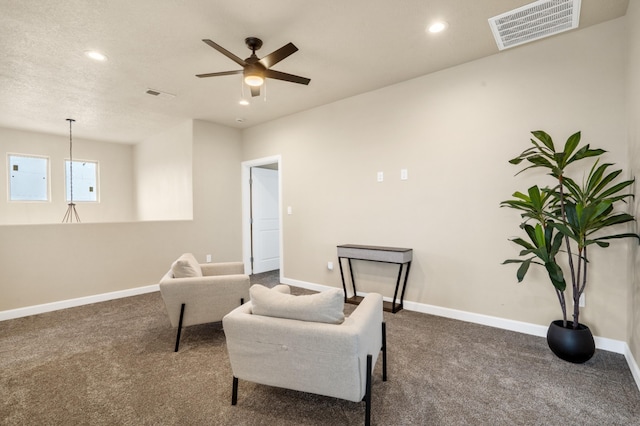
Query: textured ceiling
x=346 y=48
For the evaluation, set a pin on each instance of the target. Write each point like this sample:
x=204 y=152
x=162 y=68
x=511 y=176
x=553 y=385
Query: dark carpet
x=112 y=363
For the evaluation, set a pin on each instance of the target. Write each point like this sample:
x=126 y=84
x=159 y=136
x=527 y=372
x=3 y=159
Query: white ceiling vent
x=158 y=93
x=534 y=21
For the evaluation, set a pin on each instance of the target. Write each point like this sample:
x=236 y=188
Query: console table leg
x=344 y=286
x=395 y=293
x=404 y=285
x=353 y=281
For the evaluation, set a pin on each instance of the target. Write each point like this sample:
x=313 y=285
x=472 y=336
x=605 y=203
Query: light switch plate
x=404 y=174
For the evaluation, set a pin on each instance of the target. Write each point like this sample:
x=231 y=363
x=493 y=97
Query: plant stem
x=579 y=288
x=567 y=245
x=582 y=266
x=563 y=306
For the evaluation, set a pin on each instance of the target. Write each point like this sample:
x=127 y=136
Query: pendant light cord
x=71 y=120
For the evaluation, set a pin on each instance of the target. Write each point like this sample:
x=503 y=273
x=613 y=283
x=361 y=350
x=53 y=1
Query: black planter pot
x=571 y=345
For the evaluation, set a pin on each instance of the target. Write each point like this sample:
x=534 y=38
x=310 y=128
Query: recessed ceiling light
x=95 y=55
x=437 y=27
x=243 y=102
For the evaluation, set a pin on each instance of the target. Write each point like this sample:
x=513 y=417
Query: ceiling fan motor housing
x=253 y=43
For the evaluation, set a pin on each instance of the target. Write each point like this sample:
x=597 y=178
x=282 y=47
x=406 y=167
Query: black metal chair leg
x=367 y=396
x=384 y=351
x=179 y=328
x=234 y=391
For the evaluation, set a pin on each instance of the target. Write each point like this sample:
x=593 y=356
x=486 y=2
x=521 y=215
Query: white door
x=265 y=228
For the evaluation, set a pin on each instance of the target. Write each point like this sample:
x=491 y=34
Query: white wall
x=633 y=104
x=115 y=178
x=454 y=131
x=48 y=263
x=163 y=175
x=217 y=185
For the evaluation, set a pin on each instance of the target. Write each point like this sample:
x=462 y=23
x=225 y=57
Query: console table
x=396 y=255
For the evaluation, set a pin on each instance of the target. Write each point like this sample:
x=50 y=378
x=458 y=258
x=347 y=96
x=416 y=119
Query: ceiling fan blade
x=286 y=77
x=216 y=74
x=226 y=53
x=255 y=91
x=274 y=57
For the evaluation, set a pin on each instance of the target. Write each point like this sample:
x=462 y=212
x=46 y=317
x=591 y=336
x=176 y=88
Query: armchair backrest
x=208 y=297
x=222 y=268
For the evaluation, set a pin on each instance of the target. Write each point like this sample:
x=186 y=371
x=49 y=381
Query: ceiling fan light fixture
x=254 y=80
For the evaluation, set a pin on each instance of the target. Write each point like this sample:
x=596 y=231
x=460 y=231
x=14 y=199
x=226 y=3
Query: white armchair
x=331 y=359
x=202 y=293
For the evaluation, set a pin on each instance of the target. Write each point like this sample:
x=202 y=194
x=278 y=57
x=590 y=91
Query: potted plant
x=566 y=220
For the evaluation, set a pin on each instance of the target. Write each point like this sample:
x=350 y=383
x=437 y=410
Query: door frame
x=246 y=208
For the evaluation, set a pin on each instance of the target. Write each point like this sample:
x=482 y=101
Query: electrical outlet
x=208 y=258
x=380 y=176
x=330 y=266
x=404 y=174
x=582 y=300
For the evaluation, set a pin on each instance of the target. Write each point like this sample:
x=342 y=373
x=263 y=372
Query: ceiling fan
x=254 y=69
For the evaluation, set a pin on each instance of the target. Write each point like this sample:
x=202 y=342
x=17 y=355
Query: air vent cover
x=534 y=21
x=158 y=93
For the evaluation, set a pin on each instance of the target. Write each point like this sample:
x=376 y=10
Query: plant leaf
x=522 y=270
x=624 y=235
x=544 y=137
x=616 y=188
x=571 y=145
x=585 y=152
x=523 y=243
x=556 y=275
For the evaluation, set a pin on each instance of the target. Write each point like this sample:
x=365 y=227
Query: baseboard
x=633 y=365
x=603 y=343
x=304 y=284
x=71 y=303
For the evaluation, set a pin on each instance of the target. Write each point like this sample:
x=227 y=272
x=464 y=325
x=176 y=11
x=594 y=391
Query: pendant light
x=71 y=207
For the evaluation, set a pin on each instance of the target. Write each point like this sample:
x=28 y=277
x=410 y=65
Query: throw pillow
x=186 y=266
x=326 y=306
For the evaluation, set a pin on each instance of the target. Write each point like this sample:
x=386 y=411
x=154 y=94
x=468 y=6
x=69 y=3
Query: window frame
x=48 y=177
x=97 y=181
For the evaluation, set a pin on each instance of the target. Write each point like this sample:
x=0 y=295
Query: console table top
x=357 y=246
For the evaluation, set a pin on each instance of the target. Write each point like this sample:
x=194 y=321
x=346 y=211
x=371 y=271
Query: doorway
x=261 y=215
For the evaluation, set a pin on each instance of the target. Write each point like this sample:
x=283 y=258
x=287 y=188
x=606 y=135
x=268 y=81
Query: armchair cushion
x=325 y=307
x=186 y=266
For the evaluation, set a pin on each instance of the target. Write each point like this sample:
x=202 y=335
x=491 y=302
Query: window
x=28 y=178
x=85 y=180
